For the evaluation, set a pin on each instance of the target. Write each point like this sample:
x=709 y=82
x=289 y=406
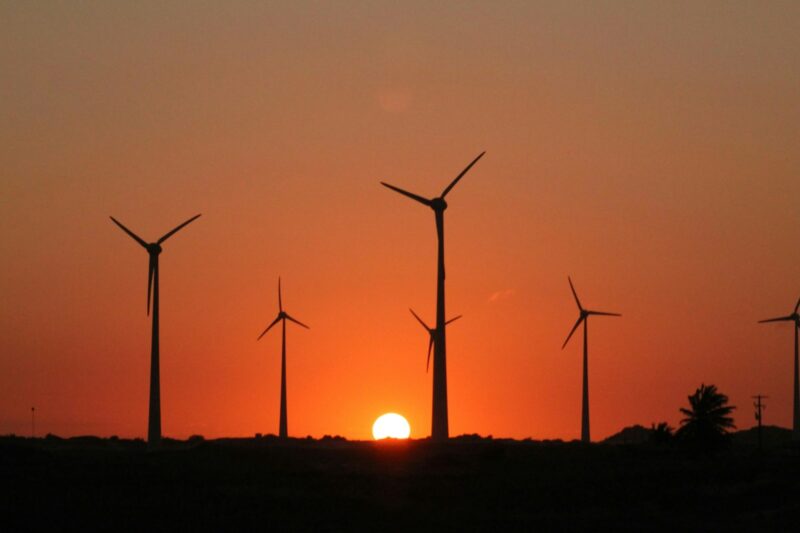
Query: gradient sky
x=649 y=149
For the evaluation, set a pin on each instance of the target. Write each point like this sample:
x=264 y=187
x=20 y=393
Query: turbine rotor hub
x=438 y=204
x=154 y=248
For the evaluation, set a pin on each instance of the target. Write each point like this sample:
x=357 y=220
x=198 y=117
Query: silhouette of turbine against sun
x=439 y=420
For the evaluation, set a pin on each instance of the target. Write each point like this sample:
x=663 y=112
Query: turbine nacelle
x=153 y=248
x=438 y=204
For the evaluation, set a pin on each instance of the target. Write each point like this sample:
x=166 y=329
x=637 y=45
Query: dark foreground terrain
x=331 y=484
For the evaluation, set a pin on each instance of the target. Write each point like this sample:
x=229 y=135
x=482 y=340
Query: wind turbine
x=282 y=316
x=584 y=317
x=439 y=420
x=153 y=249
x=794 y=317
x=431 y=333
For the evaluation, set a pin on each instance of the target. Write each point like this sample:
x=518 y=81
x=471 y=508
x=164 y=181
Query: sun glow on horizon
x=391 y=426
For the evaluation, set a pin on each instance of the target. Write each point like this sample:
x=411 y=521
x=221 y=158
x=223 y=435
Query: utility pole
x=33 y=422
x=760 y=406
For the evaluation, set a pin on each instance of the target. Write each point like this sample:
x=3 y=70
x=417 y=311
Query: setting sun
x=391 y=426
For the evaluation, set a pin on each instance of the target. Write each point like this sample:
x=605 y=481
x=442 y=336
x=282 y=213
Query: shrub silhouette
x=661 y=433
x=707 y=420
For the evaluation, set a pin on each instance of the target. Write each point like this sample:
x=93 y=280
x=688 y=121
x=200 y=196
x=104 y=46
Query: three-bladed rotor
x=432 y=333
x=154 y=249
x=584 y=313
x=282 y=315
x=438 y=203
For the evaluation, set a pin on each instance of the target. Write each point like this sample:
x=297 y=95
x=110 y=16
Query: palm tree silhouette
x=707 y=420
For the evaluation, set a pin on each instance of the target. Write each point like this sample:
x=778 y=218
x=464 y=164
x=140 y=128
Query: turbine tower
x=431 y=334
x=584 y=317
x=439 y=420
x=794 y=317
x=153 y=249
x=282 y=316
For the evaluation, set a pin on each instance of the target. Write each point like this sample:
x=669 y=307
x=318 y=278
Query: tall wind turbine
x=584 y=317
x=431 y=334
x=153 y=249
x=283 y=316
x=794 y=317
x=439 y=420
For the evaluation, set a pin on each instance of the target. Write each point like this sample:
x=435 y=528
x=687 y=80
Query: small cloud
x=501 y=295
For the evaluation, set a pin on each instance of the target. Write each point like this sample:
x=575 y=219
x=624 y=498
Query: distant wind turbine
x=584 y=317
x=153 y=249
x=794 y=317
x=439 y=420
x=282 y=316
x=431 y=334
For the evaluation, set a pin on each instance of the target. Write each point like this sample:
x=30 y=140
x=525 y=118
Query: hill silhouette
x=635 y=434
x=774 y=437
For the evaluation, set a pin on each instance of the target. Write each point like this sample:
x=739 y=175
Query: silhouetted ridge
x=635 y=434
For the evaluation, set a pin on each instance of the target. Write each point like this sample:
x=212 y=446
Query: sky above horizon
x=647 y=149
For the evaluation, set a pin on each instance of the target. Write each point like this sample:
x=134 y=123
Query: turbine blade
x=578 y=323
x=171 y=233
x=603 y=313
x=430 y=347
x=453 y=183
x=296 y=321
x=575 y=294
x=453 y=319
x=424 y=325
x=796 y=307
x=129 y=232
x=151 y=272
x=411 y=195
x=269 y=327
x=280 y=301
x=779 y=319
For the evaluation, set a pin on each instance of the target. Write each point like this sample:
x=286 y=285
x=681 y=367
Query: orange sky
x=649 y=150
